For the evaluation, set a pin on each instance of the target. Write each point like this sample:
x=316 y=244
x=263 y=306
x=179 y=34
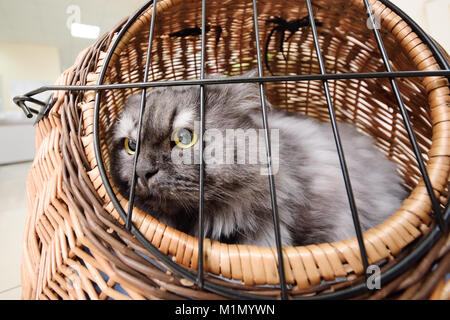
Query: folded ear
x=128 y=118
x=133 y=102
x=250 y=74
x=131 y=110
x=247 y=95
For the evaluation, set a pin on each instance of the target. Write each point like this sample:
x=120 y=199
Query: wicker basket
x=75 y=244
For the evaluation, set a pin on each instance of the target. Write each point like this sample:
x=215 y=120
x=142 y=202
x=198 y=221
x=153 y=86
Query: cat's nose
x=151 y=173
x=147 y=173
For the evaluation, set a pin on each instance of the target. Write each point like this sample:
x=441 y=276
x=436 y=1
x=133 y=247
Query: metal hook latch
x=45 y=106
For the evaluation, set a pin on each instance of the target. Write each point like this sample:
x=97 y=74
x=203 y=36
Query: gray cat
x=312 y=201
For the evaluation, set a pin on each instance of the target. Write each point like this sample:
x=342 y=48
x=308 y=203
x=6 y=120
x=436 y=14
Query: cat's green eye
x=185 y=138
x=130 y=146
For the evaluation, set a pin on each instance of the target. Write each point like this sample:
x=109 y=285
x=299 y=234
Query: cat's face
x=170 y=128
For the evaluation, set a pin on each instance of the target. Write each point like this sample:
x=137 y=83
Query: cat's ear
x=247 y=94
x=133 y=102
x=250 y=74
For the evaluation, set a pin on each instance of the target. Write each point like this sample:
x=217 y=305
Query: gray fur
x=312 y=200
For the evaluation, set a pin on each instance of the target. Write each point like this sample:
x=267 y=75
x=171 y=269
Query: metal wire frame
x=337 y=139
x=21 y=100
x=423 y=245
x=273 y=195
x=201 y=231
x=412 y=138
x=141 y=114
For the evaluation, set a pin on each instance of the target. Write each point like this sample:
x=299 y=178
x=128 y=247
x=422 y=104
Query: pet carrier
x=358 y=61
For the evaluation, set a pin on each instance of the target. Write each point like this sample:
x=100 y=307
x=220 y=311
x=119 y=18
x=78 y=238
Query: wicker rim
x=319 y=261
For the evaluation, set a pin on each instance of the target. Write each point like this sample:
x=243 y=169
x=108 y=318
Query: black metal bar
x=273 y=195
x=27 y=110
x=305 y=77
x=201 y=231
x=434 y=202
x=26 y=98
x=141 y=114
x=340 y=150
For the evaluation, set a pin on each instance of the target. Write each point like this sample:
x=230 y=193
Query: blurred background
x=39 y=39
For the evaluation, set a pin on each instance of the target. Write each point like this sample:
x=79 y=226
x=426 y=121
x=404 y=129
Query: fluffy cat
x=312 y=201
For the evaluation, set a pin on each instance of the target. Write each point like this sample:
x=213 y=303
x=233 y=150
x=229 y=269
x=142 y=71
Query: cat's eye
x=185 y=138
x=130 y=146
